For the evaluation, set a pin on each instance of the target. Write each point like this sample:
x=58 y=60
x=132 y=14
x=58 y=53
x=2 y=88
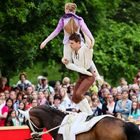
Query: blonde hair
x=66 y=80
x=71 y=6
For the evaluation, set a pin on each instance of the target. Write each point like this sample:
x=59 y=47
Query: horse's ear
x=25 y=113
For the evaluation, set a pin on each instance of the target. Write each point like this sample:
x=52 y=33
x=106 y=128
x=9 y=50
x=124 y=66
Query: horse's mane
x=48 y=108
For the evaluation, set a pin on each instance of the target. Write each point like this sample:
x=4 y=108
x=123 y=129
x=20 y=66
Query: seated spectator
x=34 y=95
x=95 y=96
x=124 y=105
x=13 y=117
x=134 y=98
x=9 y=104
x=23 y=83
x=2 y=97
x=114 y=92
x=123 y=85
x=34 y=103
x=41 y=98
x=96 y=110
x=50 y=99
x=104 y=94
x=27 y=101
x=119 y=116
x=108 y=107
x=29 y=90
x=135 y=112
x=57 y=87
x=7 y=94
x=3 y=112
x=66 y=102
x=20 y=116
x=4 y=85
x=57 y=101
x=66 y=83
x=13 y=96
x=45 y=86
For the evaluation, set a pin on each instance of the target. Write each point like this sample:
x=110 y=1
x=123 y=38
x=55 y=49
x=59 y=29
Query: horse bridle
x=37 y=134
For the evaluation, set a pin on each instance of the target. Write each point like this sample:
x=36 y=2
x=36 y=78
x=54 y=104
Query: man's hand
x=65 y=61
x=42 y=45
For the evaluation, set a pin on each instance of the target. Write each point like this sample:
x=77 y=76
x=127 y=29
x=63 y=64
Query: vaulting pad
x=76 y=123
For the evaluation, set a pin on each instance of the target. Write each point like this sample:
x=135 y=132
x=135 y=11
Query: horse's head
x=34 y=124
x=43 y=116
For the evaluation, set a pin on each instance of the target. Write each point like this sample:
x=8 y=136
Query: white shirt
x=83 y=58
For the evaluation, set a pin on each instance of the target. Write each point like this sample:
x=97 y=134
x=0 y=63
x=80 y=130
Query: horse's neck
x=55 y=121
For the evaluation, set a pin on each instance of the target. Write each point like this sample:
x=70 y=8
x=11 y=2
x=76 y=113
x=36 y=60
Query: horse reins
x=31 y=124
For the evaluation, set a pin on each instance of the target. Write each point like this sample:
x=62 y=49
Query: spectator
x=4 y=85
x=41 y=98
x=39 y=83
x=7 y=94
x=20 y=116
x=66 y=83
x=57 y=101
x=9 y=104
x=14 y=118
x=50 y=99
x=124 y=105
x=134 y=98
x=27 y=101
x=114 y=91
x=66 y=103
x=123 y=85
x=45 y=86
x=23 y=83
x=35 y=95
x=108 y=107
x=57 y=87
x=13 y=96
x=3 y=112
x=135 y=112
x=29 y=90
x=96 y=110
x=2 y=96
x=34 y=103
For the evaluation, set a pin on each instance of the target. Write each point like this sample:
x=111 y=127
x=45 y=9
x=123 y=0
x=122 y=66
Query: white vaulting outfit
x=83 y=58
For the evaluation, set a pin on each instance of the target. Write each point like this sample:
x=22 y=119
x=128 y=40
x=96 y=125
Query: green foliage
x=115 y=24
x=117 y=51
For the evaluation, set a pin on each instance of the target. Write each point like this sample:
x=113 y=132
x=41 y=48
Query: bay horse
x=108 y=128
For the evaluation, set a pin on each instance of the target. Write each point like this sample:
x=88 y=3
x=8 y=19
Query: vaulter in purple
x=72 y=23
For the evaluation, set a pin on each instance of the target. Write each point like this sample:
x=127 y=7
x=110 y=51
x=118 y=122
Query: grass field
x=41 y=68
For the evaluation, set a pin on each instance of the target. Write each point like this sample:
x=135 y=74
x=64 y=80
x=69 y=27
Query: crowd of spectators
x=122 y=101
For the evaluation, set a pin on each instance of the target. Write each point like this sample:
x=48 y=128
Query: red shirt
x=2 y=89
x=4 y=110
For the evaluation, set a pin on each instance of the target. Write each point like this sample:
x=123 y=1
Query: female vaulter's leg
x=94 y=70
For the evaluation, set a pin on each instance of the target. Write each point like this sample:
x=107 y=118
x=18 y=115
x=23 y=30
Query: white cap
x=40 y=77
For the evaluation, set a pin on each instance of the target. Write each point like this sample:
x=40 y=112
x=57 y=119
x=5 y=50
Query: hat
x=39 y=77
x=43 y=78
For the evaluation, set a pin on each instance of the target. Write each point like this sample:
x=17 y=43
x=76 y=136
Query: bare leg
x=94 y=70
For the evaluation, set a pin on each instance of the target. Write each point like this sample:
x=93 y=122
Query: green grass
x=41 y=68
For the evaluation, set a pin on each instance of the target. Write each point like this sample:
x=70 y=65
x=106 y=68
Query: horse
x=108 y=128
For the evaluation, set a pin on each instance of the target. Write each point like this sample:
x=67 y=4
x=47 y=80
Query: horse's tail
x=132 y=131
